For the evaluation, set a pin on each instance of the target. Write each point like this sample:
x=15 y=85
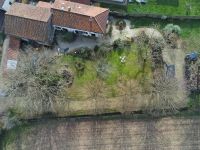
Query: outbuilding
x=30 y=23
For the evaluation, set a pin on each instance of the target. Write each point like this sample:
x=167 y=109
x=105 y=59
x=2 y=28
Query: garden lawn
x=152 y=8
x=130 y=70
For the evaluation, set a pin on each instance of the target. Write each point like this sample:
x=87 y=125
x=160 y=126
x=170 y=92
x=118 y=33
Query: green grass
x=153 y=8
x=130 y=70
x=12 y=135
x=89 y=72
x=113 y=7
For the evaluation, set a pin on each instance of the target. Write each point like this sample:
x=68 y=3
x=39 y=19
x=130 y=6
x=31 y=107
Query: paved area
x=3 y=60
x=162 y=134
x=10 y=52
x=81 y=41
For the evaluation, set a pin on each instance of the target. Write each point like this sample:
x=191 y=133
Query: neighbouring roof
x=29 y=12
x=79 y=16
x=44 y=4
x=78 y=8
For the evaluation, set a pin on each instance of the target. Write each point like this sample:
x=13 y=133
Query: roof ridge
x=98 y=22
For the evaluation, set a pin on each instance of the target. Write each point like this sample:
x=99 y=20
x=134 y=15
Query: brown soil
x=163 y=134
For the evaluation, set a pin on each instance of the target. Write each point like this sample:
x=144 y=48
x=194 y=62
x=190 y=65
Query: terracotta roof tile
x=29 y=12
x=79 y=16
x=78 y=8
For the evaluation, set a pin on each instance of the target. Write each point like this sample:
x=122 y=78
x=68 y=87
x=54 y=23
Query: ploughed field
x=167 y=133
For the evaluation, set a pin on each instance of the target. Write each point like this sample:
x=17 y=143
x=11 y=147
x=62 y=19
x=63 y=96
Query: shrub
x=110 y=30
x=170 y=28
x=121 y=45
x=102 y=70
x=118 y=44
x=85 y=53
x=121 y=24
x=103 y=50
x=10 y=120
x=80 y=67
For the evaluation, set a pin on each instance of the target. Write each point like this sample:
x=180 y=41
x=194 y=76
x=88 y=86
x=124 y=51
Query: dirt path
x=163 y=134
x=176 y=57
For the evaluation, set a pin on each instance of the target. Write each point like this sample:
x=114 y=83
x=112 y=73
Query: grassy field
x=153 y=8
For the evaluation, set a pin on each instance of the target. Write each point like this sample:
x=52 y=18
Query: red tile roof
x=77 y=8
x=79 y=16
x=44 y=4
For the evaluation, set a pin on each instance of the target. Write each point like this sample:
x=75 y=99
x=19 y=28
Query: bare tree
x=164 y=98
x=36 y=84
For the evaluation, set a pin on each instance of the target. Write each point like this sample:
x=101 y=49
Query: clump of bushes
x=171 y=28
x=85 y=53
x=80 y=67
x=121 y=24
x=171 y=34
x=48 y=79
x=121 y=45
x=10 y=119
x=103 y=69
x=103 y=50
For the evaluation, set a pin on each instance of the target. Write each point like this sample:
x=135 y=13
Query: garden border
x=153 y=16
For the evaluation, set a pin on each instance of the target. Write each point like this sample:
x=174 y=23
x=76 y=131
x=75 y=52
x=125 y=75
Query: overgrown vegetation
x=34 y=82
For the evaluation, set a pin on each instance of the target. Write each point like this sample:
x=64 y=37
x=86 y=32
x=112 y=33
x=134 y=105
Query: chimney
x=62 y=7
